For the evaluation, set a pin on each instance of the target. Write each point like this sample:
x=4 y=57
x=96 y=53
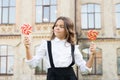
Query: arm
x=27 y=46
x=90 y=61
x=91 y=57
x=85 y=67
x=33 y=61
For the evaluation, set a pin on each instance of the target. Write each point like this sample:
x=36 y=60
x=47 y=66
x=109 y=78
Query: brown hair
x=69 y=27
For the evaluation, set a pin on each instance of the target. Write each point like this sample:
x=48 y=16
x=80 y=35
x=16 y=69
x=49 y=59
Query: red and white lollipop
x=92 y=35
x=26 y=29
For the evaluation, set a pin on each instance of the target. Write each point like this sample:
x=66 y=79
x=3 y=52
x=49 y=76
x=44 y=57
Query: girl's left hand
x=92 y=49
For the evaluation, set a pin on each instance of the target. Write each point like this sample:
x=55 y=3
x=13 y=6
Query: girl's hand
x=27 y=41
x=92 y=49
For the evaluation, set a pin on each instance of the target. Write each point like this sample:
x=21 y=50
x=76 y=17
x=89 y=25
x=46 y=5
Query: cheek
x=53 y=29
x=64 y=32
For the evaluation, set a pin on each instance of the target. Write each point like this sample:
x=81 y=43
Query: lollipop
x=92 y=35
x=26 y=29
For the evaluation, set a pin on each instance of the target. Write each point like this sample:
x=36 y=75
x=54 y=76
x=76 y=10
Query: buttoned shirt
x=61 y=53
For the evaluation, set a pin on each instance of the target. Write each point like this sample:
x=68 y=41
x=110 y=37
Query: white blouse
x=61 y=53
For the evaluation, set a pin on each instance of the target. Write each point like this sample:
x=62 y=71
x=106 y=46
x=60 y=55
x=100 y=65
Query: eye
x=61 y=26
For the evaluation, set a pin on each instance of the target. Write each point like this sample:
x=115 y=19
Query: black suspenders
x=72 y=53
x=50 y=54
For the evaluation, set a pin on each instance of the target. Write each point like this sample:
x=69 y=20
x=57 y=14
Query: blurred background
x=100 y=15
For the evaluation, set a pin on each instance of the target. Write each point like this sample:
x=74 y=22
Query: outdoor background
x=100 y=15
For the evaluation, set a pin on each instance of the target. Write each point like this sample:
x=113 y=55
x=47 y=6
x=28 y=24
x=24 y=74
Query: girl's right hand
x=27 y=41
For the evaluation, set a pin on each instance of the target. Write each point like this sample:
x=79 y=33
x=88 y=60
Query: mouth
x=55 y=31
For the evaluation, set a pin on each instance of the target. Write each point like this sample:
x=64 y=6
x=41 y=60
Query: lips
x=56 y=31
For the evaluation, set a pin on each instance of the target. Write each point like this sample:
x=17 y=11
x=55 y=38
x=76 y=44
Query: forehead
x=60 y=22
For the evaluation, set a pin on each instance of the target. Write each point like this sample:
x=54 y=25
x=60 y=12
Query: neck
x=61 y=38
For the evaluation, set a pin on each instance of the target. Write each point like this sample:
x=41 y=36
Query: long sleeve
x=81 y=63
x=40 y=53
x=61 y=53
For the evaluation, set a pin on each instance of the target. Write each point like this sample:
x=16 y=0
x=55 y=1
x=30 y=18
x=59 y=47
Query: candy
x=26 y=29
x=92 y=35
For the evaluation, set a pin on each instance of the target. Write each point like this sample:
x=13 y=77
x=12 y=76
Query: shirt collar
x=57 y=40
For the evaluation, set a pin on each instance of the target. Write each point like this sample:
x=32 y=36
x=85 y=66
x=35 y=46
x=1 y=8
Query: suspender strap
x=72 y=53
x=50 y=53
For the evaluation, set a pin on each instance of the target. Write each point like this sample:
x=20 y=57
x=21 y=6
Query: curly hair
x=69 y=28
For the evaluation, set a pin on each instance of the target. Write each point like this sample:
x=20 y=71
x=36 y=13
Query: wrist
x=92 y=54
x=27 y=46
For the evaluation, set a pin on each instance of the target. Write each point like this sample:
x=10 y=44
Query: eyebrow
x=59 y=25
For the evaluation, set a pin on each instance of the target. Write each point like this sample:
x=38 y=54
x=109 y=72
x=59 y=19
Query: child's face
x=59 y=29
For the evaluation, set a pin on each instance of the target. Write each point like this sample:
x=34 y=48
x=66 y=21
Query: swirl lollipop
x=26 y=29
x=92 y=35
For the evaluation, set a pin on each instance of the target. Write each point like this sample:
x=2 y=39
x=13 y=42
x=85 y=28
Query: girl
x=60 y=52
